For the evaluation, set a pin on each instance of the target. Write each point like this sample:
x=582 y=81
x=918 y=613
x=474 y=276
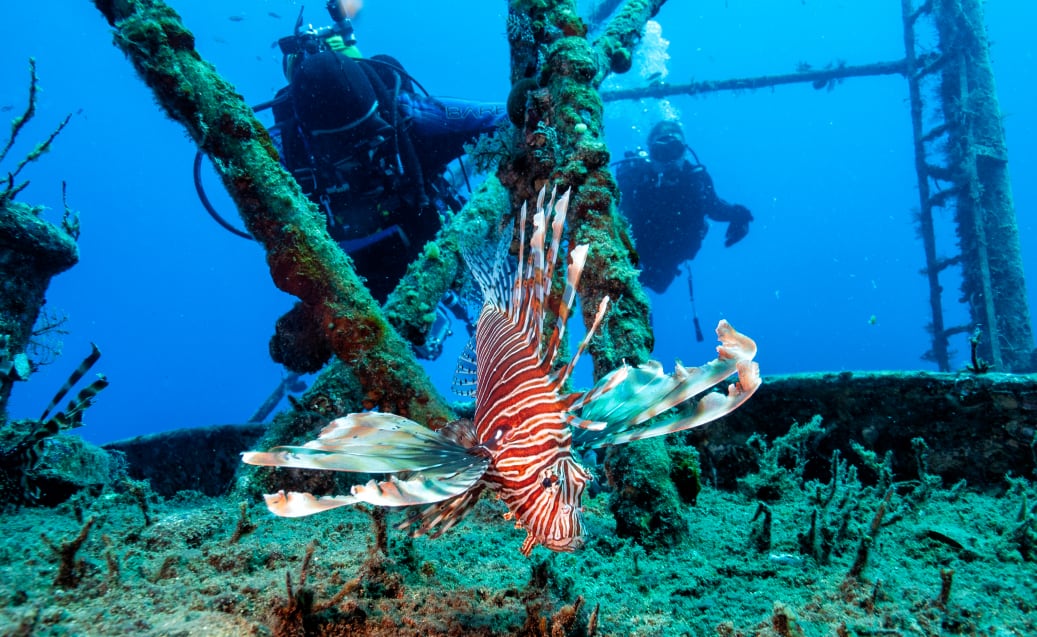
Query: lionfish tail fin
x=630 y=402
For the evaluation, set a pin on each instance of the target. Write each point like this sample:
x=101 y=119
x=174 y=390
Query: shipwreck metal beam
x=820 y=78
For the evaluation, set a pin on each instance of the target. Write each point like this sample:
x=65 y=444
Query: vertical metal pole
x=939 y=351
x=993 y=281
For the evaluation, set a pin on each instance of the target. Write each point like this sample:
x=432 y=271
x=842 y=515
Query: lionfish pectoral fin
x=426 y=487
x=710 y=407
x=590 y=425
x=629 y=402
x=370 y=442
x=296 y=505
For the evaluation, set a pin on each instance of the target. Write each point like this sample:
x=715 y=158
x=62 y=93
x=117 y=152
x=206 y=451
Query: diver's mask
x=666 y=148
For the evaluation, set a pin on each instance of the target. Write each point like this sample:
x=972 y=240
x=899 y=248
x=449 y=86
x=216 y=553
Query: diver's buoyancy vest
x=335 y=135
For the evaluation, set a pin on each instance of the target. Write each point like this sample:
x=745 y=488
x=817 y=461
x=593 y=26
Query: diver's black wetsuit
x=667 y=204
x=371 y=152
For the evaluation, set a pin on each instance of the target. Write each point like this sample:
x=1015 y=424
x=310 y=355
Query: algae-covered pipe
x=565 y=145
x=566 y=102
x=303 y=259
x=410 y=308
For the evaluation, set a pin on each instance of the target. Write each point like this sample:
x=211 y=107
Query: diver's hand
x=336 y=43
x=738 y=229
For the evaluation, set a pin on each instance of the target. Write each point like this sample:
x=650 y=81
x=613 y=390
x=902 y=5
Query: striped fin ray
x=535 y=283
x=440 y=517
x=564 y=372
x=79 y=372
x=557 y=226
x=578 y=257
x=530 y=319
x=489 y=268
x=516 y=289
x=466 y=377
x=635 y=395
x=296 y=505
x=72 y=417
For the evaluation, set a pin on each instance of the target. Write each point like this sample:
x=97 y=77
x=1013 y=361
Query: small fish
x=236 y=18
x=276 y=16
x=520 y=445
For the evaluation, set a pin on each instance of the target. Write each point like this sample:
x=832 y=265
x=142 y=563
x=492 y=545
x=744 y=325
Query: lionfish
x=520 y=443
x=21 y=442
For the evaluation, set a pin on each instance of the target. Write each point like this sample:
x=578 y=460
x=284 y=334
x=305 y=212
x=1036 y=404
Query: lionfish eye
x=546 y=483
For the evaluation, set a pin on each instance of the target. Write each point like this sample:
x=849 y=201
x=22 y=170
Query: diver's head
x=666 y=141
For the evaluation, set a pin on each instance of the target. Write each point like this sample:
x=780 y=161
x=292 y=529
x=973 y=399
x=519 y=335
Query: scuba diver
x=370 y=146
x=370 y=149
x=667 y=197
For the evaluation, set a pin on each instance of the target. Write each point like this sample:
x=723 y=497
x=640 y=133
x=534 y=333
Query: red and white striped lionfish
x=520 y=444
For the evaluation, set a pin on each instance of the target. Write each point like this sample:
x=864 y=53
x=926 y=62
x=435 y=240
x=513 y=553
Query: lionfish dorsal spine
x=578 y=257
x=562 y=374
x=516 y=291
x=561 y=209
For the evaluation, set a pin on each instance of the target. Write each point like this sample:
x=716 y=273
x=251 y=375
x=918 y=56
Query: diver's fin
x=644 y=392
x=371 y=442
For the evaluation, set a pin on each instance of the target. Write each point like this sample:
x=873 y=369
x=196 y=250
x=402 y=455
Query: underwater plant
x=519 y=445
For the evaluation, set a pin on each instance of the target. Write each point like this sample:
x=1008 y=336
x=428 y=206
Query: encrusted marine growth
x=32 y=251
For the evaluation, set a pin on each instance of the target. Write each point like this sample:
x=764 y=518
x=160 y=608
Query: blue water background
x=828 y=278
